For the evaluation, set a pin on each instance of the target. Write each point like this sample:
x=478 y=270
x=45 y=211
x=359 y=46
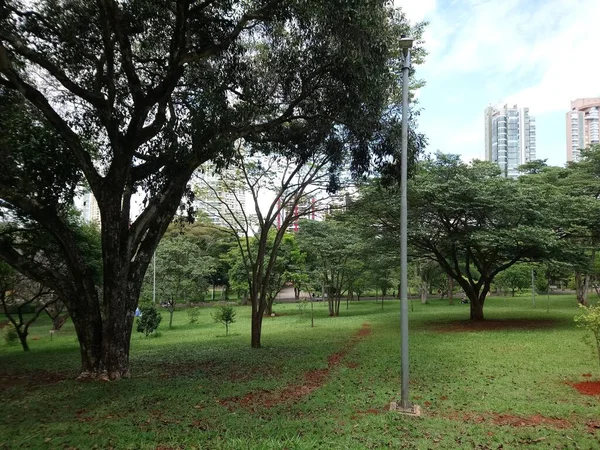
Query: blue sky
x=536 y=53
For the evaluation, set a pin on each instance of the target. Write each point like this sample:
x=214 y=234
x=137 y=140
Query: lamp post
x=154 y=279
x=405 y=405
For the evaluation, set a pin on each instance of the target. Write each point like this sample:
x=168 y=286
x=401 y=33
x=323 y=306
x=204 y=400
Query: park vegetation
x=125 y=96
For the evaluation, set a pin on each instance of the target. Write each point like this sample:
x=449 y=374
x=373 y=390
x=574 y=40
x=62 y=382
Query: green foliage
x=9 y=334
x=183 y=269
x=514 y=278
x=224 y=314
x=589 y=319
x=193 y=314
x=334 y=253
x=471 y=220
x=149 y=320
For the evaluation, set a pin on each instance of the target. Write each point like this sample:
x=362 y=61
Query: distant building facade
x=219 y=196
x=582 y=126
x=90 y=210
x=510 y=137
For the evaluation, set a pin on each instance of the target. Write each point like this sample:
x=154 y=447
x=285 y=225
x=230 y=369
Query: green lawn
x=194 y=388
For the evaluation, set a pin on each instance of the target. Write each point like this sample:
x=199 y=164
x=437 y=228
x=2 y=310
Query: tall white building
x=583 y=128
x=90 y=210
x=220 y=195
x=510 y=137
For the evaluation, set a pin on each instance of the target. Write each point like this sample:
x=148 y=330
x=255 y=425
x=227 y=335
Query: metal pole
x=404 y=401
x=154 y=279
x=533 y=286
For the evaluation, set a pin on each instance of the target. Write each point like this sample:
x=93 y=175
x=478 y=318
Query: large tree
x=282 y=188
x=334 y=249
x=136 y=94
x=472 y=221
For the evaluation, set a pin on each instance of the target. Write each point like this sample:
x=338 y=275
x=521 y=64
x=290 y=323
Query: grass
x=464 y=381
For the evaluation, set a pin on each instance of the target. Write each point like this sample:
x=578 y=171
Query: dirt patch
x=294 y=392
x=492 y=325
x=369 y=412
x=587 y=387
x=510 y=420
x=531 y=421
x=32 y=379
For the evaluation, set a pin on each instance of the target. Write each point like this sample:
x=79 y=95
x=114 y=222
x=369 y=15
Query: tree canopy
x=137 y=94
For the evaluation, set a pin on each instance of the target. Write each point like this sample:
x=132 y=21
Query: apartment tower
x=582 y=126
x=509 y=137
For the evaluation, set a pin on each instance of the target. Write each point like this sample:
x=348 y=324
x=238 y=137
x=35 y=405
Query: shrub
x=9 y=334
x=226 y=315
x=590 y=320
x=149 y=320
x=193 y=314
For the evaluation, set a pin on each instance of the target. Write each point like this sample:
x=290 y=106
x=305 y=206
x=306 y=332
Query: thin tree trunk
x=23 y=340
x=450 y=290
x=256 y=327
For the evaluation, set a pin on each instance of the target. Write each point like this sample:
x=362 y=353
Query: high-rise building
x=509 y=137
x=220 y=196
x=582 y=126
x=90 y=210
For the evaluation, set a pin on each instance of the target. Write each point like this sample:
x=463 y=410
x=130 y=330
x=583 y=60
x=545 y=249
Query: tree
x=19 y=295
x=138 y=94
x=470 y=220
x=224 y=314
x=283 y=188
x=426 y=271
x=149 y=320
x=513 y=278
x=476 y=224
x=579 y=187
x=335 y=251
x=182 y=271
x=589 y=319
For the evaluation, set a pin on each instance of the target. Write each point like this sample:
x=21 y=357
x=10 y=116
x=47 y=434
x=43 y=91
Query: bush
x=9 y=334
x=193 y=314
x=149 y=320
x=590 y=320
x=226 y=315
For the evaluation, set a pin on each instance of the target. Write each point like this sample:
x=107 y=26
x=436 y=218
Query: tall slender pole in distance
x=154 y=279
x=533 y=286
x=405 y=404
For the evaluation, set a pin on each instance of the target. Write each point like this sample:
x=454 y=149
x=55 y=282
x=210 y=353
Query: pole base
x=412 y=410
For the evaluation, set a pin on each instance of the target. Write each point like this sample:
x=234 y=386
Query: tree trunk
x=257 y=316
x=269 y=308
x=450 y=290
x=296 y=293
x=477 y=300
x=580 y=288
x=423 y=296
x=476 y=308
x=23 y=340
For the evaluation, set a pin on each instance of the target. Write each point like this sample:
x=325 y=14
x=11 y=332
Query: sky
x=540 y=54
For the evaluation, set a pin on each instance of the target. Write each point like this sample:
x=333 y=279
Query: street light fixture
x=405 y=405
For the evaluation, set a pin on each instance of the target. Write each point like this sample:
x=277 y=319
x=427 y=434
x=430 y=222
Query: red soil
x=531 y=421
x=492 y=325
x=588 y=387
x=508 y=420
x=293 y=392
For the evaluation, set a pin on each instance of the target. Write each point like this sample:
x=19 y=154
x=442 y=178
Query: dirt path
x=294 y=392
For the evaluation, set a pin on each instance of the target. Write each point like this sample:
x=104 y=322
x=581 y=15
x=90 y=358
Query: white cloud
x=551 y=43
x=416 y=10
